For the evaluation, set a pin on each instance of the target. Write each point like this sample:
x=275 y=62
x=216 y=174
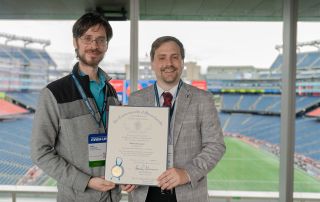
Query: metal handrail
x=227 y=195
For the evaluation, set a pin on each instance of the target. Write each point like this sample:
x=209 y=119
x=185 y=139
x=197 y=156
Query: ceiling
x=206 y=10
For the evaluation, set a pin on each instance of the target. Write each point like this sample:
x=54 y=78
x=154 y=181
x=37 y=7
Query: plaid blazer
x=198 y=140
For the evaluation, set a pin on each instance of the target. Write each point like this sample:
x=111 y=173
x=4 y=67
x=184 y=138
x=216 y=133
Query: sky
x=207 y=43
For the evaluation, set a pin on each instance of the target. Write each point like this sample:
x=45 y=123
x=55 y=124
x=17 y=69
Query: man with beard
x=195 y=140
x=69 y=131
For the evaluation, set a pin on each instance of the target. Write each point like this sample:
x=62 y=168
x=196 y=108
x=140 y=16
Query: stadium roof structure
x=208 y=10
x=25 y=40
x=313 y=43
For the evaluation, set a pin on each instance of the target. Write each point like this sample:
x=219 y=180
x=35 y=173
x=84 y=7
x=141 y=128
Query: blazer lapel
x=150 y=99
x=184 y=98
x=150 y=96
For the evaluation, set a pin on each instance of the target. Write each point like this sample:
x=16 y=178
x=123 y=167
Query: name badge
x=97 y=146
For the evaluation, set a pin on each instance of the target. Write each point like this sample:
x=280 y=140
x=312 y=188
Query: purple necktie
x=167 y=99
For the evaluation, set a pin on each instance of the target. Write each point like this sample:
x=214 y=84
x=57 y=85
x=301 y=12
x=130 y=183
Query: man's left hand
x=172 y=178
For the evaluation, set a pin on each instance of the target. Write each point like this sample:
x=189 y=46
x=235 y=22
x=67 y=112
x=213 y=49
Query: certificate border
x=117 y=112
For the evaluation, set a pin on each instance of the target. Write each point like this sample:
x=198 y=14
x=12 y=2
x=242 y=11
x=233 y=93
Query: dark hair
x=89 y=20
x=159 y=41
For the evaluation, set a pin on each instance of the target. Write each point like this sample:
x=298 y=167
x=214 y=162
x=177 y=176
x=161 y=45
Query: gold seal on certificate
x=137 y=144
x=117 y=170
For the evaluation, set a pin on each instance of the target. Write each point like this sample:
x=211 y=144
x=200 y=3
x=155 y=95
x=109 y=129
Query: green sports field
x=247 y=168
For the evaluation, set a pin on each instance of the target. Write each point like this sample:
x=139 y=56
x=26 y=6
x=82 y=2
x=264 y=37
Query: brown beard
x=86 y=62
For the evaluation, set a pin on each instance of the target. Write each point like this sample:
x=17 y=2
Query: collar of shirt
x=97 y=91
x=173 y=92
x=102 y=80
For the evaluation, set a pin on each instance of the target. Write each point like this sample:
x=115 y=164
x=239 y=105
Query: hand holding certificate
x=137 y=144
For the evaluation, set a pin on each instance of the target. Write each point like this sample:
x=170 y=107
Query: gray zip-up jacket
x=59 y=143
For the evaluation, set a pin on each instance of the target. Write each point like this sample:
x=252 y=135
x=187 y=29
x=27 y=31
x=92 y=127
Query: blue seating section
x=308 y=60
x=305 y=60
x=26 y=56
x=44 y=54
x=267 y=128
x=247 y=101
x=263 y=103
x=230 y=100
x=14 y=149
x=24 y=68
x=277 y=63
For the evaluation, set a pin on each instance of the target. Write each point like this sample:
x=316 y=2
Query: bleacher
x=25 y=56
x=16 y=166
x=305 y=60
x=263 y=104
x=258 y=116
x=23 y=72
x=267 y=128
x=14 y=149
x=23 y=68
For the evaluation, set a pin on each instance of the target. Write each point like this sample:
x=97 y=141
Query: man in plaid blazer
x=197 y=140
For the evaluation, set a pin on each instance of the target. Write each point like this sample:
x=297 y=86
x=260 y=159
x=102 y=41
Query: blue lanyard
x=86 y=101
x=158 y=97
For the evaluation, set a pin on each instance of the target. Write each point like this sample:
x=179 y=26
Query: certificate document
x=136 y=144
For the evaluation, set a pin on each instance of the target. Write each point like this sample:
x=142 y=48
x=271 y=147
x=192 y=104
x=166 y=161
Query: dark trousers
x=156 y=195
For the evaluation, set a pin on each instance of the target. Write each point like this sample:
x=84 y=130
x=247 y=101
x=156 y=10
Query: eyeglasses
x=87 y=40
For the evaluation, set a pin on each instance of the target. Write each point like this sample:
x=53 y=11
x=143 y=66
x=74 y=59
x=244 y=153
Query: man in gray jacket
x=195 y=143
x=69 y=132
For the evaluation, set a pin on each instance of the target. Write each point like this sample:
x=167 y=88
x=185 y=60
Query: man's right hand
x=100 y=184
x=128 y=187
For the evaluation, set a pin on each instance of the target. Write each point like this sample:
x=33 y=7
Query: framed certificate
x=136 y=144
